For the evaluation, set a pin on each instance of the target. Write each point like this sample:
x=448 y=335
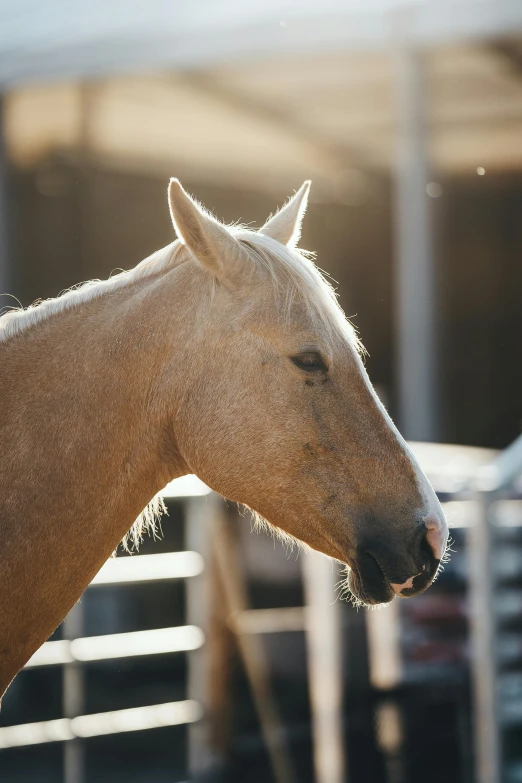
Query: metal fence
x=75 y=649
x=494 y=483
x=319 y=619
x=208 y=539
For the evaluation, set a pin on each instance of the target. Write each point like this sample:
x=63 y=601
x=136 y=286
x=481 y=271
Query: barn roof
x=269 y=89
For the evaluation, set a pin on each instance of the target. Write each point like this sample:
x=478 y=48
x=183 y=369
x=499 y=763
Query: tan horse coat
x=224 y=355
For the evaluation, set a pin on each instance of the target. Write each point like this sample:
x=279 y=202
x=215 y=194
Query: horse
x=226 y=355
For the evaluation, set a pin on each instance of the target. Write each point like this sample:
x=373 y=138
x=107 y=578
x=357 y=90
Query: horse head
x=278 y=411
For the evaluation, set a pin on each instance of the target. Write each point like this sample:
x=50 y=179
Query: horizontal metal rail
x=119 y=645
x=71 y=653
x=135 y=719
x=503 y=471
x=260 y=621
x=149 y=568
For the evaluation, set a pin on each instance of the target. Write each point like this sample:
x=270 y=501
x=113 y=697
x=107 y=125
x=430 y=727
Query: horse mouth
x=368 y=583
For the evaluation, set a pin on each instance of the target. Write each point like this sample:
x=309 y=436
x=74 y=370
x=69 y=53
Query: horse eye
x=311 y=362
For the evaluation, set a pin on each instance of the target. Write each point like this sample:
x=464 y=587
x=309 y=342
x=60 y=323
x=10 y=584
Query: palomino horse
x=225 y=355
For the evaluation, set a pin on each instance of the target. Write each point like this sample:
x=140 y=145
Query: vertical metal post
x=5 y=271
x=484 y=661
x=323 y=638
x=383 y=630
x=415 y=279
x=73 y=699
x=198 y=532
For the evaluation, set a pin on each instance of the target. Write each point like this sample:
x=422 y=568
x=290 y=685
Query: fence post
x=483 y=648
x=199 y=511
x=73 y=698
x=323 y=638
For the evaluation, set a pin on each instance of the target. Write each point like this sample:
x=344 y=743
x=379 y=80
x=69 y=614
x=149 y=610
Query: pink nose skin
x=397 y=589
x=437 y=534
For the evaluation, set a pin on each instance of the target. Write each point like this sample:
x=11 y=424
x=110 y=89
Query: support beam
x=510 y=54
x=5 y=268
x=335 y=158
x=415 y=277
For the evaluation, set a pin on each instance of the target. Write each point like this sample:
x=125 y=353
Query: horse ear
x=285 y=225
x=212 y=243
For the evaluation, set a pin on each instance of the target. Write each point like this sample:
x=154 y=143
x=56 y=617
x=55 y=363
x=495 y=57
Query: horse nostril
x=373 y=587
x=427 y=565
x=429 y=559
x=436 y=534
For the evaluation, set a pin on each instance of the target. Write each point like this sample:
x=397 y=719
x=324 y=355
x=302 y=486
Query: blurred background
x=223 y=657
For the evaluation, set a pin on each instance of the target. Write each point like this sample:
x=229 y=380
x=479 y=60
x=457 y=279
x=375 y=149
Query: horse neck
x=84 y=449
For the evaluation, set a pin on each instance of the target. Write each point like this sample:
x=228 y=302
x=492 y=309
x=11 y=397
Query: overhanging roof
x=56 y=39
x=272 y=123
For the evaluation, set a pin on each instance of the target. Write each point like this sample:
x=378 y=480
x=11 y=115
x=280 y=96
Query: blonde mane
x=294 y=276
x=17 y=320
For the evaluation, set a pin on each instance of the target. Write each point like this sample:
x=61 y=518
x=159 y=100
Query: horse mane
x=148 y=523
x=292 y=271
x=18 y=319
x=294 y=276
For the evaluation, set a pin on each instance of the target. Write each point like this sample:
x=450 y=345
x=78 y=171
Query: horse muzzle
x=381 y=572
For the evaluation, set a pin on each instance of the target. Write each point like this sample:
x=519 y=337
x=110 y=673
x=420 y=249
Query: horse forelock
x=294 y=275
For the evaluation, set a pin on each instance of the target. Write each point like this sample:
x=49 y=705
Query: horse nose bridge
x=404 y=489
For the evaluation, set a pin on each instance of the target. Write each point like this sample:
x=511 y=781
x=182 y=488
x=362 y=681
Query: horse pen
x=481 y=493
x=219 y=649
